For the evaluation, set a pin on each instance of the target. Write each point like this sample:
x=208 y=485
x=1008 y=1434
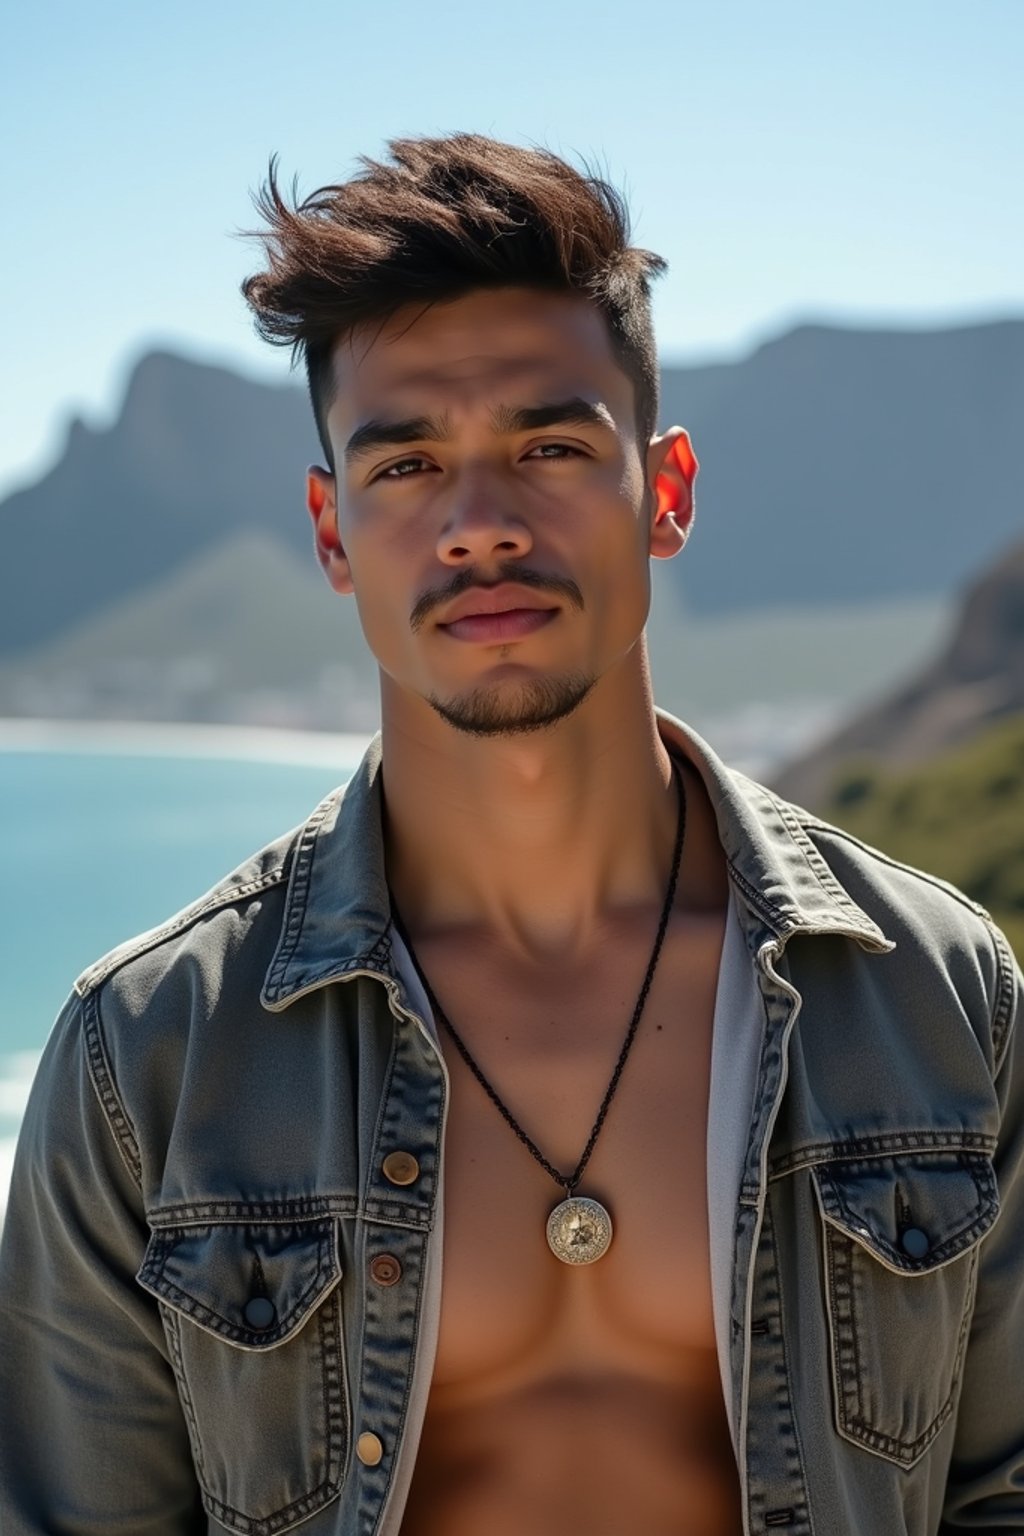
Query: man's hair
x=447 y=216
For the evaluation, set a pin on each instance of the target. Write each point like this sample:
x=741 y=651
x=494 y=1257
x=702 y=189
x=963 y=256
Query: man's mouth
x=510 y=624
x=497 y=614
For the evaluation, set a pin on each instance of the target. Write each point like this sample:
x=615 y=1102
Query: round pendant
x=579 y=1230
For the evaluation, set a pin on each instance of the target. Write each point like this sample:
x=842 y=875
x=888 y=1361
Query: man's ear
x=321 y=499
x=671 y=470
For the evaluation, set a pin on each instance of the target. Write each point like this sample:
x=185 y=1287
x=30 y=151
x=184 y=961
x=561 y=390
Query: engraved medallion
x=579 y=1230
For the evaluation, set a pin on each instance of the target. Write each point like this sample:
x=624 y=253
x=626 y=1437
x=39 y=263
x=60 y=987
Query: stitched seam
x=802 y=1509
x=767 y=1086
x=772 y=915
x=307 y=1503
x=849 y=1261
x=102 y=1079
x=816 y=861
x=172 y=1331
x=102 y=971
x=244 y=1212
x=1002 y=1011
x=904 y=1452
x=840 y=1214
x=336 y=1397
x=880 y=1146
x=268 y=1525
x=192 y=1306
x=298 y=891
x=891 y=863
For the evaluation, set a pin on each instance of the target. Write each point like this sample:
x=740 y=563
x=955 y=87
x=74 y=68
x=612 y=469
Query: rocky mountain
x=977 y=679
x=838 y=466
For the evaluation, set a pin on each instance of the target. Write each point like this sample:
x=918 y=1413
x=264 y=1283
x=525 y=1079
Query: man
x=558 y=1133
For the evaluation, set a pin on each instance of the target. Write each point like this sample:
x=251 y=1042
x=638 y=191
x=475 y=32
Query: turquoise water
x=101 y=846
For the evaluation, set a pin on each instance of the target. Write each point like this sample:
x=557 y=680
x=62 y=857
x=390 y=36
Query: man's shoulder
x=928 y=920
x=802 y=862
x=207 y=927
x=874 y=871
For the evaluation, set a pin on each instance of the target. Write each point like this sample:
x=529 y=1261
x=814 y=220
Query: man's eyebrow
x=506 y=420
x=393 y=434
x=576 y=412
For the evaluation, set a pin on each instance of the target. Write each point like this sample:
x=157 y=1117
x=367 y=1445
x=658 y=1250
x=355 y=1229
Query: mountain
x=838 y=466
x=841 y=465
x=976 y=680
x=246 y=633
x=196 y=455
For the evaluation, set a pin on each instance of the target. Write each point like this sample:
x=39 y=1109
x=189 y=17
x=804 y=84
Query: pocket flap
x=252 y=1284
x=914 y=1212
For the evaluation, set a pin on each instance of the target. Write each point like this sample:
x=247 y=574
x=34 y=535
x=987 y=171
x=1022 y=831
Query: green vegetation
x=960 y=817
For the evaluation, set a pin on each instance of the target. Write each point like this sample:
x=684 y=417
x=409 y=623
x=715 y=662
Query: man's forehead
x=457 y=353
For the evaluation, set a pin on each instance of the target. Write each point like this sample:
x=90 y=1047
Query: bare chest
x=511 y=1313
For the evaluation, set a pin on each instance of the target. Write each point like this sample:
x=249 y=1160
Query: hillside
x=246 y=634
x=960 y=816
x=976 y=679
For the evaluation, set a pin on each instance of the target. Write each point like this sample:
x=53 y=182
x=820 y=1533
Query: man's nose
x=481 y=525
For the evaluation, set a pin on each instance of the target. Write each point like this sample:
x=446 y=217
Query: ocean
x=110 y=830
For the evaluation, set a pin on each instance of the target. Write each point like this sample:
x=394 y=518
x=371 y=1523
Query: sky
x=853 y=164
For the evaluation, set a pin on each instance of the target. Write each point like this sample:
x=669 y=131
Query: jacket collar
x=337 y=916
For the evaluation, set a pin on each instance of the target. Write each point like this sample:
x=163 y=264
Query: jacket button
x=401 y=1168
x=914 y=1243
x=260 y=1313
x=369 y=1449
x=385 y=1269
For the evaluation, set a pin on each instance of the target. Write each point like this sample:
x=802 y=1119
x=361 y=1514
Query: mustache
x=461 y=581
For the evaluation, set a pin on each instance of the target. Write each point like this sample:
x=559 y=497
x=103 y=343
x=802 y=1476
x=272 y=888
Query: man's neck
x=533 y=841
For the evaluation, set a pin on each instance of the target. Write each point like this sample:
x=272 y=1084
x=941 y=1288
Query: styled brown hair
x=445 y=217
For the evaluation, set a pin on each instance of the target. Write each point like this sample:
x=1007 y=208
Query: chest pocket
x=252 y=1317
x=901 y=1238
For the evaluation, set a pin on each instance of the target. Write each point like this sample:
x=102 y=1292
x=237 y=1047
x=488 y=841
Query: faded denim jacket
x=220 y=1273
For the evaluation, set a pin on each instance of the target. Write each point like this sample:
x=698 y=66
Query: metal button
x=369 y=1449
x=260 y=1313
x=401 y=1168
x=914 y=1243
x=385 y=1269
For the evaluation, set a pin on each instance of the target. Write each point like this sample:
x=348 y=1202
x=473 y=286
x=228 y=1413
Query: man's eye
x=397 y=471
x=555 y=448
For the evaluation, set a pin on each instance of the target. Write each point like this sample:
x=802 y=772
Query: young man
x=558 y=1133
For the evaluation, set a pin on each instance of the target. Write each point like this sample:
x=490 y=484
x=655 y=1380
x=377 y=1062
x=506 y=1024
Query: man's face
x=490 y=508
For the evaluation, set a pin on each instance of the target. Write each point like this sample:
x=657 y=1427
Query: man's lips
x=509 y=624
x=505 y=612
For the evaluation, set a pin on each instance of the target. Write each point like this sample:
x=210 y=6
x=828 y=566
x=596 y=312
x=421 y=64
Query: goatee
x=528 y=706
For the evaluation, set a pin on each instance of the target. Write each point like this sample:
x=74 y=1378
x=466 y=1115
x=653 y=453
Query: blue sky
x=855 y=163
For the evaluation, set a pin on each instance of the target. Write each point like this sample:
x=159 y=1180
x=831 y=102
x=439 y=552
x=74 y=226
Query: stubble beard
x=535 y=705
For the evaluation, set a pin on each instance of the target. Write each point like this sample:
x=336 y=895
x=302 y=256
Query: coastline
x=158 y=738
x=755 y=737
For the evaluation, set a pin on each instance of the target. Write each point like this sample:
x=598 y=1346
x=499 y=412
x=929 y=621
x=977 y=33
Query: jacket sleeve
x=92 y=1437
x=985 y=1487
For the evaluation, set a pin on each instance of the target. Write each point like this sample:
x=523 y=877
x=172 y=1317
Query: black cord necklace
x=579 y=1229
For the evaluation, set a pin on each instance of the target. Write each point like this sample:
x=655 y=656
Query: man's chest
x=548 y=1048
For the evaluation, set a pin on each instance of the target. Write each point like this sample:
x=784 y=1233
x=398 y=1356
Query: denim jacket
x=219 y=1275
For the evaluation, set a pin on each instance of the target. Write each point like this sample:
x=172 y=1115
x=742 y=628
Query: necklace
x=579 y=1229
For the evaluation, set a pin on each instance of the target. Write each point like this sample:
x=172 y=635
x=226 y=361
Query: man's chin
x=514 y=710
